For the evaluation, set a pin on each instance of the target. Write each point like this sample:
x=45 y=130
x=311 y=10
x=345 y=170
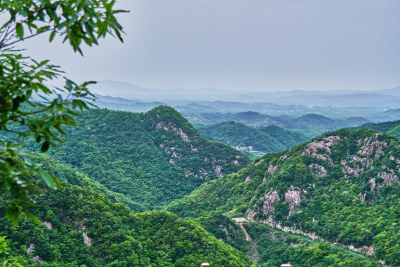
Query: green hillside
x=148 y=160
x=342 y=188
x=151 y=158
x=79 y=226
x=390 y=127
x=260 y=139
x=272 y=247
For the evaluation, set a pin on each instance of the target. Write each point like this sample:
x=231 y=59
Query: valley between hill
x=331 y=201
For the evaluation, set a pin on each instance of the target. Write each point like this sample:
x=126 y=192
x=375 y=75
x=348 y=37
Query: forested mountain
x=313 y=122
x=252 y=140
x=341 y=188
x=151 y=158
x=80 y=226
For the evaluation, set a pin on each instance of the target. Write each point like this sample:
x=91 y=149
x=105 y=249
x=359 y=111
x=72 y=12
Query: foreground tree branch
x=30 y=109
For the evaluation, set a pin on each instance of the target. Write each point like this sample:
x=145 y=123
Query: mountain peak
x=168 y=118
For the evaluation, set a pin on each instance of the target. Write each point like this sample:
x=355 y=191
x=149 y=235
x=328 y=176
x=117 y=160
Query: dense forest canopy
x=151 y=158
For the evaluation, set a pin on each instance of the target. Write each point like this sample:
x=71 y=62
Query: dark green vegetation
x=80 y=226
x=150 y=158
x=252 y=140
x=390 y=127
x=342 y=188
x=272 y=247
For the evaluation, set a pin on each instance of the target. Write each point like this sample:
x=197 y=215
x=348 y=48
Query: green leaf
x=42 y=29
x=50 y=179
x=20 y=30
x=52 y=35
x=42 y=63
x=13 y=215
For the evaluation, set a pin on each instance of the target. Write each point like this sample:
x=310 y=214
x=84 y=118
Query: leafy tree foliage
x=29 y=107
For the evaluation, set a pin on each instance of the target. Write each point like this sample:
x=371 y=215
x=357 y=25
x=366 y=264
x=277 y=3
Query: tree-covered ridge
x=127 y=154
x=341 y=188
x=79 y=226
x=264 y=139
x=390 y=127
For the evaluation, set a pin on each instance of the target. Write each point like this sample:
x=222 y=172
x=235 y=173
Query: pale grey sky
x=244 y=45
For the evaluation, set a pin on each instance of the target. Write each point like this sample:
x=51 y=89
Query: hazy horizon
x=244 y=46
x=227 y=90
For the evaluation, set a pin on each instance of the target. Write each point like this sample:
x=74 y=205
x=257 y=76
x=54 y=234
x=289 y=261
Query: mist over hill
x=378 y=105
x=380 y=99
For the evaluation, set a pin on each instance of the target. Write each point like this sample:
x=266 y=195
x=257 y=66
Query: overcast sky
x=244 y=45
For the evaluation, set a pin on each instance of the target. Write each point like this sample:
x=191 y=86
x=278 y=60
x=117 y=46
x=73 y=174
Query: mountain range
x=255 y=119
x=193 y=108
x=386 y=98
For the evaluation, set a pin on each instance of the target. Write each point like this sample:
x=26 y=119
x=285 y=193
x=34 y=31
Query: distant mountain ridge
x=123 y=104
x=189 y=108
x=387 y=98
x=255 y=119
x=370 y=99
x=387 y=115
x=130 y=91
